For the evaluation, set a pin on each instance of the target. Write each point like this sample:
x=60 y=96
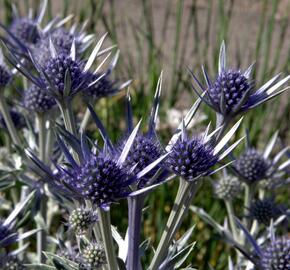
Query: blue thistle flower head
x=227 y=188
x=191 y=158
x=264 y=211
x=99 y=179
x=11 y=262
x=276 y=255
x=62 y=39
x=58 y=69
x=233 y=92
x=104 y=86
x=17 y=119
x=37 y=100
x=229 y=87
x=63 y=75
x=252 y=166
x=81 y=219
x=26 y=30
x=144 y=151
x=93 y=256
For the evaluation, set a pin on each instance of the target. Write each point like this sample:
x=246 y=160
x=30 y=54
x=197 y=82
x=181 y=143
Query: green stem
x=41 y=235
x=23 y=195
x=49 y=143
x=68 y=117
x=166 y=237
x=189 y=194
x=85 y=120
x=262 y=193
x=69 y=121
x=231 y=214
x=8 y=120
x=105 y=222
x=247 y=203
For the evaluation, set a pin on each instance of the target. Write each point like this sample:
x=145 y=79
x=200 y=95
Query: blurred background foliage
x=171 y=35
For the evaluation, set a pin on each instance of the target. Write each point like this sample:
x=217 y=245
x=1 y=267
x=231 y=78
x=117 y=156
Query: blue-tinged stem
x=222 y=122
x=69 y=120
x=249 y=190
x=231 y=215
x=41 y=235
x=105 y=222
x=171 y=227
x=85 y=120
x=8 y=120
x=23 y=195
x=135 y=205
x=68 y=117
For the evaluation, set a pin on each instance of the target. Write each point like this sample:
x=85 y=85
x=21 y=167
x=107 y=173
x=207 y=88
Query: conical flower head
x=252 y=166
x=229 y=89
x=58 y=68
x=94 y=256
x=233 y=92
x=103 y=88
x=81 y=219
x=227 y=188
x=99 y=179
x=62 y=39
x=26 y=30
x=144 y=151
x=191 y=158
x=37 y=100
x=11 y=262
x=263 y=211
x=276 y=256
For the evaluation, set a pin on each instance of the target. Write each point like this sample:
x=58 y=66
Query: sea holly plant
x=71 y=180
x=233 y=91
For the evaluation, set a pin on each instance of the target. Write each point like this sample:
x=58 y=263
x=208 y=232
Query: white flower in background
x=174 y=117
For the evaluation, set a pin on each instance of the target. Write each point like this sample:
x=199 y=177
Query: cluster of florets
x=81 y=219
x=5 y=76
x=57 y=67
x=103 y=88
x=230 y=86
x=17 y=119
x=145 y=150
x=26 y=30
x=252 y=166
x=264 y=211
x=99 y=179
x=70 y=253
x=62 y=39
x=94 y=256
x=191 y=158
x=227 y=188
x=276 y=256
x=37 y=100
x=10 y=262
